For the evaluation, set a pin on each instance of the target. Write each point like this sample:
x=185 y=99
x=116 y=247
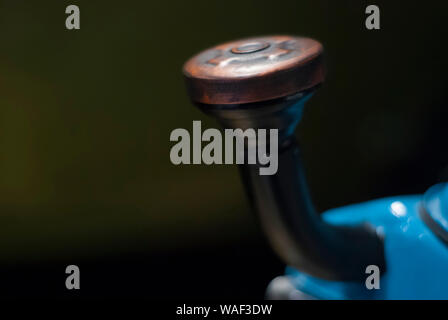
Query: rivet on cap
x=250 y=47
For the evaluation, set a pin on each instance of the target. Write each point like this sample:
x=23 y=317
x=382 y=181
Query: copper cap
x=254 y=69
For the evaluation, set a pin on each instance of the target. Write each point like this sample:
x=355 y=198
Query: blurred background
x=85 y=119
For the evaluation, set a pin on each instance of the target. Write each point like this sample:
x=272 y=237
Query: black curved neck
x=296 y=231
x=284 y=206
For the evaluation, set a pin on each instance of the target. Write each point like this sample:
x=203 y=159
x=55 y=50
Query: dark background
x=85 y=119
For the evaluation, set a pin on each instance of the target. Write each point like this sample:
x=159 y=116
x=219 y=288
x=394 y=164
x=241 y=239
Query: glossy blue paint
x=417 y=258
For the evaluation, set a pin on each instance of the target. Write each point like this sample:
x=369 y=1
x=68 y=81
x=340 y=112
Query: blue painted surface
x=417 y=260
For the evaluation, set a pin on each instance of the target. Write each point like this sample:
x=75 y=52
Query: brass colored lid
x=254 y=69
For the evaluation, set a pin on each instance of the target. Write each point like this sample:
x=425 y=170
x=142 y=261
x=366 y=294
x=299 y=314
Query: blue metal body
x=417 y=258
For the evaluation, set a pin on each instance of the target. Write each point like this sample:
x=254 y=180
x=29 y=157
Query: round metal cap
x=254 y=69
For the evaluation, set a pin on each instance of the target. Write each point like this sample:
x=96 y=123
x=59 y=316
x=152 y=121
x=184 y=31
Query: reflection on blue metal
x=416 y=253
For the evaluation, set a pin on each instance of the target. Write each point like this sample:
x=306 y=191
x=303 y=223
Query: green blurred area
x=85 y=116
